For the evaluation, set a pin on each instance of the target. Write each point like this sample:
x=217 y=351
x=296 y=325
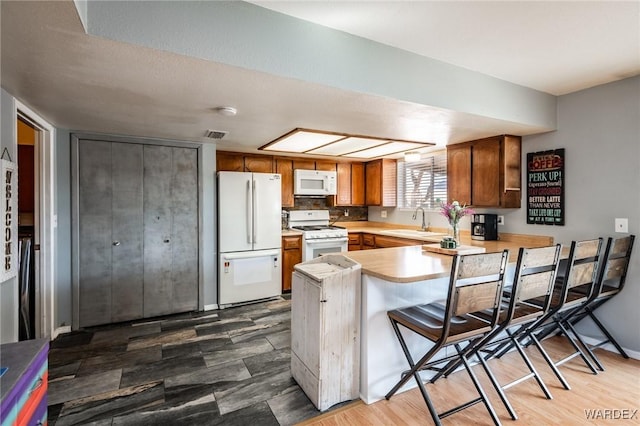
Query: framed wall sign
x=545 y=187
x=9 y=217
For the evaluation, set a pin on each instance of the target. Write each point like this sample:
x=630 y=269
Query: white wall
x=9 y=288
x=209 y=248
x=600 y=131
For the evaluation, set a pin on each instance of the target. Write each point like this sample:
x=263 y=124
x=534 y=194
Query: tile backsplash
x=336 y=213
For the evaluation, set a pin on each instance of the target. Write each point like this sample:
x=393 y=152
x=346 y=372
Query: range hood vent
x=215 y=134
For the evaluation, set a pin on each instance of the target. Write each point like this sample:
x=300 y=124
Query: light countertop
x=412 y=263
x=384 y=228
x=402 y=264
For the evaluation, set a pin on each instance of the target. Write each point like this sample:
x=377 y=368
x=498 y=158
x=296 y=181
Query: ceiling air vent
x=215 y=134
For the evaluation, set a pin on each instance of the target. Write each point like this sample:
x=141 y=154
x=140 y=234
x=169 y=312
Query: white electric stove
x=318 y=236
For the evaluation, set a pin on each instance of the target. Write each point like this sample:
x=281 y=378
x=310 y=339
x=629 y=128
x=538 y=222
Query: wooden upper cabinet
x=240 y=162
x=303 y=163
x=485 y=172
x=357 y=184
x=284 y=166
x=229 y=161
x=459 y=173
x=326 y=165
x=512 y=153
x=258 y=163
x=350 y=188
x=381 y=183
x=343 y=196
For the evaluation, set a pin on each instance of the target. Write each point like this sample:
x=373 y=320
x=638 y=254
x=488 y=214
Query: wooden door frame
x=46 y=220
x=75 y=210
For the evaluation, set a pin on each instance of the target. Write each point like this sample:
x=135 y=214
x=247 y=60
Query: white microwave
x=314 y=182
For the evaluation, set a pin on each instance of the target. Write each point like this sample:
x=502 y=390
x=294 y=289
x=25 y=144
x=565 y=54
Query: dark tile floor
x=226 y=367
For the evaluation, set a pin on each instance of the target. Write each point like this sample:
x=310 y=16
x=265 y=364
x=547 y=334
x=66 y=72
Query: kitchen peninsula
x=397 y=277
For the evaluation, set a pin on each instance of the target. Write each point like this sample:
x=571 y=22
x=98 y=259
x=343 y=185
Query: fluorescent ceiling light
x=339 y=144
x=345 y=146
x=411 y=156
x=302 y=141
x=389 y=148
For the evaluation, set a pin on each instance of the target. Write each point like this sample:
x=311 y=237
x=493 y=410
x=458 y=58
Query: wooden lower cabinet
x=385 y=241
x=372 y=241
x=291 y=255
x=368 y=241
x=355 y=241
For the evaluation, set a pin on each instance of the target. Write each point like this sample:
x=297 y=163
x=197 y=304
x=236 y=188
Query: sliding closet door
x=137 y=231
x=170 y=230
x=127 y=232
x=184 y=254
x=111 y=230
x=94 y=235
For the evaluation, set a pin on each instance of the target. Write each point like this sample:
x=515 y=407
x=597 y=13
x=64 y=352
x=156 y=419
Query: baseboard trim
x=212 y=307
x=61 y=330
x=609 y=347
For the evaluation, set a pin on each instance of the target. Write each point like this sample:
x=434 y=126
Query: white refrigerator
x=249 y=237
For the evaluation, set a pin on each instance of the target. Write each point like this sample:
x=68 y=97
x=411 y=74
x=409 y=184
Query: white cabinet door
x=307 y=329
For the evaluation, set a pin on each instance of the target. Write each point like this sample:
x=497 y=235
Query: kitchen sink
x=414 y=233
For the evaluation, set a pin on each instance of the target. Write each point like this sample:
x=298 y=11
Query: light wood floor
x=617 y=388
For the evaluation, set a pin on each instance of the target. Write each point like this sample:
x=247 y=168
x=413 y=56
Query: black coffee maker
x=484 y=227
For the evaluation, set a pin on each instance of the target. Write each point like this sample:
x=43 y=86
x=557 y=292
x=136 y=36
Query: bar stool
x=475 y=285
x=534 y=278
x=570 y=293
x=611 y=280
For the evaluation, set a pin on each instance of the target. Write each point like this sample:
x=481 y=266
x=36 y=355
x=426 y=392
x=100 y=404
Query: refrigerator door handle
x=249 y=212
x=255 y=213
x=250 y=254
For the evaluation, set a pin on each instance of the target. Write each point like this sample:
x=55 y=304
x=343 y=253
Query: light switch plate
x=383 y=213
x=622 y=224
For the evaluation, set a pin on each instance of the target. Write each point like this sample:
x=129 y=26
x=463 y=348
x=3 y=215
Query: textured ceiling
x=88 y=83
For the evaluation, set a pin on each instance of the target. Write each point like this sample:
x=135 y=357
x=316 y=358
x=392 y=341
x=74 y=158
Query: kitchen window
x=423 y=183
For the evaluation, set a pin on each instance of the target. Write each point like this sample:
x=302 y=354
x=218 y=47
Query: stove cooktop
x=316 y=227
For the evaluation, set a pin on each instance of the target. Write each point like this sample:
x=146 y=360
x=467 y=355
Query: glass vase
x=455 y=233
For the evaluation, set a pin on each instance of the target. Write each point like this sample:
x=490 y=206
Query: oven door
x=317 y=247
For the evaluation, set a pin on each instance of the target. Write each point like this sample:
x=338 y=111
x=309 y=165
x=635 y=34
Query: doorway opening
x=36 y=222
x=27 y=221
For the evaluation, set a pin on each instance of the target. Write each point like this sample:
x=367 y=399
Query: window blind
x=423 y=183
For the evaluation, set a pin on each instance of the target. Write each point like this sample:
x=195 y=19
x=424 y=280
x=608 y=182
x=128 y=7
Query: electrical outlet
x=383 y=214
x=622 y=224
x=346 y=212
x=500 y=220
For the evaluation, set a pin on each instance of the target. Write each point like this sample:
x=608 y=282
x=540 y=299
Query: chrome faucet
x=424 y=227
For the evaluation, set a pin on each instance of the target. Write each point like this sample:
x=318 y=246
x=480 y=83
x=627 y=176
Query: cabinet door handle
x=167 y=240
x=116 y=243
x=323 y=301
